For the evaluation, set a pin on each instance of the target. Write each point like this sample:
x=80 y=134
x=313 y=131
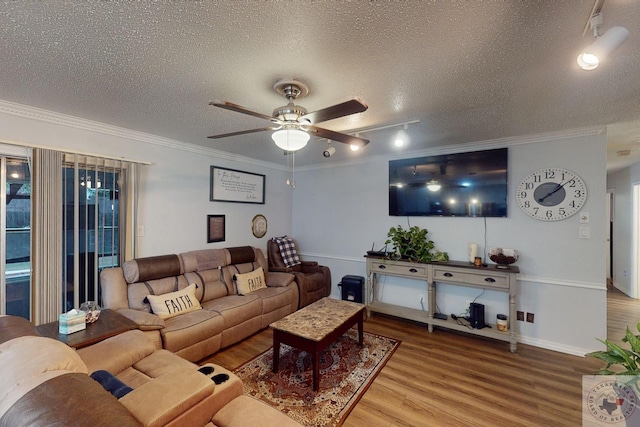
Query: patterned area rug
x=346 y=371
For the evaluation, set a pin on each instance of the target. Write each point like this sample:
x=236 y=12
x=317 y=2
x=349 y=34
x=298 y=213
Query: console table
x=451 y=272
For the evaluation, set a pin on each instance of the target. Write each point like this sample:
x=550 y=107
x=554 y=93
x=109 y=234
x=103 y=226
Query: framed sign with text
x=230 y=185
x=215 y=228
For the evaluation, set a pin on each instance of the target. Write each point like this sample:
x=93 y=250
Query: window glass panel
x=18 y=238
x=94 y=244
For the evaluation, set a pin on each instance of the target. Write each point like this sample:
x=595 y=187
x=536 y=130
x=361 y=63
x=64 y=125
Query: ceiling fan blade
x=338 y=136
x=339 y=110
x=242 y=132
x=240 y=109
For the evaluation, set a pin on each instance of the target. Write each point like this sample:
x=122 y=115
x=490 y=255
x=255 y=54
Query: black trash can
x=352 y=288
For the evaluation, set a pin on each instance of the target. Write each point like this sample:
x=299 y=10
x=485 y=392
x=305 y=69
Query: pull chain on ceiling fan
x=293 y=125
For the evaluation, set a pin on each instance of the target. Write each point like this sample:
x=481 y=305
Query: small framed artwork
x=215 y=228
x=231 y=185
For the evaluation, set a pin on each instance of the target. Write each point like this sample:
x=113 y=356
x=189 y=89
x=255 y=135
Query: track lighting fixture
x=604 y=45
x=402 y=138
x=330 y=151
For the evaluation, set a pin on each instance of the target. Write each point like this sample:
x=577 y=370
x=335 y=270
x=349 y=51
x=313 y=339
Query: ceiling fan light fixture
x=433 y=185
x=290 y=139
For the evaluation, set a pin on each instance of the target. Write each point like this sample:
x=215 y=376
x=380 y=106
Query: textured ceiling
x=467 y=70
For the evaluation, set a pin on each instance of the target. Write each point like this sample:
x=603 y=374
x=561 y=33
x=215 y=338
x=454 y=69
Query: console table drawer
x=487 y=280
x=419 y=271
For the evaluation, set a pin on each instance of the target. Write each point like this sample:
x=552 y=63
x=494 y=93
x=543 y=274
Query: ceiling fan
x=293 y=125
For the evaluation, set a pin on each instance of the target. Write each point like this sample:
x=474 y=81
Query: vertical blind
x=46 y=236
x=93 y=200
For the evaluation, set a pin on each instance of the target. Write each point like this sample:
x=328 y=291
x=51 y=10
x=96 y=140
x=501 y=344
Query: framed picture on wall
x=230 y=185
x=215 y=228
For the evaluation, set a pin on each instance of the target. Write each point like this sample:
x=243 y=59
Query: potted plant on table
x=412 y=244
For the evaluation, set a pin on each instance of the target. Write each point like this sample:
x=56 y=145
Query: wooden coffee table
x=314 y=327
x=109 y=324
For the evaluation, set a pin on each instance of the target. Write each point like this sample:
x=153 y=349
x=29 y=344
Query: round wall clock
x=551 y=194
x=259 y=226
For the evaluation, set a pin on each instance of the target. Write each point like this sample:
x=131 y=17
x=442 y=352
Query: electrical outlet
x=520 y=315
x=530 y=317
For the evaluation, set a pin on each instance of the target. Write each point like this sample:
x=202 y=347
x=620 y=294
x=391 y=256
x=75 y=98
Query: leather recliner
x=313 y=280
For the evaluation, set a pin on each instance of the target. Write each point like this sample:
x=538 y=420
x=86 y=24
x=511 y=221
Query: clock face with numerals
x=551 y=194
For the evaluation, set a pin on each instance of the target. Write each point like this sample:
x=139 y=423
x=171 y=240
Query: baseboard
x=562 y=348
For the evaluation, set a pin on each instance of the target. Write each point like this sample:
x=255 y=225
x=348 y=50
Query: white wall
x=340 y=211
x=174 y=197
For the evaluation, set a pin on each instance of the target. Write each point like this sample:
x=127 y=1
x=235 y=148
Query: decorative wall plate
x=259 y=226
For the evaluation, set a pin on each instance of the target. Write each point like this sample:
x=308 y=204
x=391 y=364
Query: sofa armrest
x=308 y=263
x=276 y=279
x=164 y=398
x=145 y=321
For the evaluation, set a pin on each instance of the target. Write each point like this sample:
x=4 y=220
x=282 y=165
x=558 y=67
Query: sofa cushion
x=174 y=303
x=275 y=298
x=150 y=268
x=71 y=399
x=172 y=394
x=288 y=251
x=204 y=259
x=117 y=353
x=187 y=329
x=236 y=309
x=248 y=411
x=241 y=254
x=137 y=292
x=250 y=282
x=211 y=284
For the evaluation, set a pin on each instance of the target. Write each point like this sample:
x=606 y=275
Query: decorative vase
x=92 y=310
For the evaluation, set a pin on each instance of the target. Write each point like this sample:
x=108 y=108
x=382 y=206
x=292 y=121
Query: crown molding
x=20 y=110
x=33 y=113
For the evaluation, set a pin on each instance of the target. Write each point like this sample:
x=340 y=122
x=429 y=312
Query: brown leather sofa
x=44 y=383
x=225 y=318
x=313 y=280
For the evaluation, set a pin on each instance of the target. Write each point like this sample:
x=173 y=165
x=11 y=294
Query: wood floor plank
x=448 y=378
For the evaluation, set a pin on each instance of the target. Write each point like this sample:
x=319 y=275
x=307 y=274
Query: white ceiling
x=467 y=70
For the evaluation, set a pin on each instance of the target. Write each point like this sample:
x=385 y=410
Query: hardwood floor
x=622 y=311
x=455 y=379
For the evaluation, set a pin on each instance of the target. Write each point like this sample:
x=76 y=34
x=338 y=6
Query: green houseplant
x=615 y=355
x=413 y=245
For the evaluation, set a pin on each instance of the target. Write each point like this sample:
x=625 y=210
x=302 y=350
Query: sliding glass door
x=90 y=226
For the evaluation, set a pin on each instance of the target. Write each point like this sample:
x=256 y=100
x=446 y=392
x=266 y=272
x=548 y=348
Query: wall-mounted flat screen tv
x=470 y=184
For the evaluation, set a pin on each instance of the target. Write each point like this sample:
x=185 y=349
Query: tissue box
x=72 y=321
